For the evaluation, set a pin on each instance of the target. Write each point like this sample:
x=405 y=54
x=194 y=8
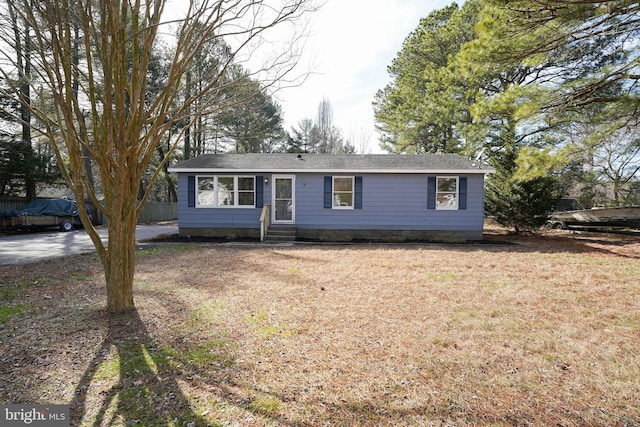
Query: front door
x=284 y=200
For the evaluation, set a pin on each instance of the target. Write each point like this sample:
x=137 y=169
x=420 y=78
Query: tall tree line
x=251 y=120
x=510 y=82
x=24 y=162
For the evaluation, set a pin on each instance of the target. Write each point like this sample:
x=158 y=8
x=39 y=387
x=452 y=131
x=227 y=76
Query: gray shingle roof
x=353 y=163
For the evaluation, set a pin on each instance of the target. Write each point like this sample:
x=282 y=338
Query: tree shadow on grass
x=146 y=391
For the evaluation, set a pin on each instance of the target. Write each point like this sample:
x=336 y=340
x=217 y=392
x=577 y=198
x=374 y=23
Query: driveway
x=34 y=247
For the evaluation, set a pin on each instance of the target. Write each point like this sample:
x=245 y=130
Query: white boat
x=615 y=217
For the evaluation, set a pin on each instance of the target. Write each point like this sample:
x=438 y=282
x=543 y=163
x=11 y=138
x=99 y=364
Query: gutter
x=334 y=171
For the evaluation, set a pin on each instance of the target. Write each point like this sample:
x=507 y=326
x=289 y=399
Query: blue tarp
x=48 y=207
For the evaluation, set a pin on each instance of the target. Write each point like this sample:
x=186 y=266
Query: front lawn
x=542 y=331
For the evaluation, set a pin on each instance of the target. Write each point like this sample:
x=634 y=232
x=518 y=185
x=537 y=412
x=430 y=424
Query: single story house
x=435 y=197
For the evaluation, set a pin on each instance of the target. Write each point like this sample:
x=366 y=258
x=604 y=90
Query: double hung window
x=225 y=191
x=343 y=192
x=447 y=193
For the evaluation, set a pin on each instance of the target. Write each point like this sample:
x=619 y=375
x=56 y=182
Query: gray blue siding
x=192 y=217
x=389 y=202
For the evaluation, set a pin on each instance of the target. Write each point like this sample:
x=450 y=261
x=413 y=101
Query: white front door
x=284 y=199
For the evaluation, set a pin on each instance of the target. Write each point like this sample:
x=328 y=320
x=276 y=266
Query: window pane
x=205 y=198
x=245 y=184
x=343 y=199
x=284 y=210
x=447 y=200
x=205 y=192
x=205 y=183
x=343 y=184
x=447 y=184
x=284 y=188
x=245 y=198
x=226 y=182
x=225 y=191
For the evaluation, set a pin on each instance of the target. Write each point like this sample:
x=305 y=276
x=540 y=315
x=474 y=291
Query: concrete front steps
x=281 y=233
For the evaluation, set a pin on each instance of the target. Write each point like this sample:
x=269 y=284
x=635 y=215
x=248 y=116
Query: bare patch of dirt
x=540 y=331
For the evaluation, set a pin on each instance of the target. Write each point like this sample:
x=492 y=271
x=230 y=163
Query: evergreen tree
x=254 y=123
x=591 y=45
x=300 y=140
x=23 y=165
x=520 y=204
x=321 y=136
x=428 y=101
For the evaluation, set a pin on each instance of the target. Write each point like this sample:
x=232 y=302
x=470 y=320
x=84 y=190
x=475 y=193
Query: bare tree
x=618 y=161
x=359 y=137
x=124 y=125
x=324 y=123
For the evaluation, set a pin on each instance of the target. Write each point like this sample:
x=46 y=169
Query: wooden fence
x=12 y=203
x=158 y=211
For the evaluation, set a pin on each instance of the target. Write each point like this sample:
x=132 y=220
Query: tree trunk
x=75 y=86
x=187 y=132
x=23 y=63
x=119 y=256
x=120 y=263
x=172 y=195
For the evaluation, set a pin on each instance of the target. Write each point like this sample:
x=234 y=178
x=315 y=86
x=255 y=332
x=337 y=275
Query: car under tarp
x=61 y=213
x=52 y=207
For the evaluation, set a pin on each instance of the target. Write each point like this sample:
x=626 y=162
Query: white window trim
x=236 y=192
x=353 y=192
x=448 y=208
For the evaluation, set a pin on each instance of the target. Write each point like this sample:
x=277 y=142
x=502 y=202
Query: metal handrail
x=264 y=222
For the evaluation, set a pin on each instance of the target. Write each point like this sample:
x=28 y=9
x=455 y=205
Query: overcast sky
x=351 y=44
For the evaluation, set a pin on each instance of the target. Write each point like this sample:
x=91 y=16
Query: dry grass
x=543 y=332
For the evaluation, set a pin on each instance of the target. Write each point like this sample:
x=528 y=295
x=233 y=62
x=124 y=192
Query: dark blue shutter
x=462 y=192
x=327 y=192
x=431 y=192
x=191 y=191
x=358 y=193
x=259 y=191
